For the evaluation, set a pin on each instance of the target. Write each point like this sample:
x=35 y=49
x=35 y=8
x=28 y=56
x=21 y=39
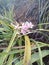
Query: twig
x=16 y=47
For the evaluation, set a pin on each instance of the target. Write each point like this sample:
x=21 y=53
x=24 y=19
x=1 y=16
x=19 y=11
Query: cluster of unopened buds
x=24 y=27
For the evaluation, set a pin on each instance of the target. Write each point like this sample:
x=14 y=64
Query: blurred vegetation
x=13 y=46
x=44 y=10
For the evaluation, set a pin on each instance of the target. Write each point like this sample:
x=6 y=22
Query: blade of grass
x=40 y=54
x=10 y=60
x=27 y=54
x=3 y=57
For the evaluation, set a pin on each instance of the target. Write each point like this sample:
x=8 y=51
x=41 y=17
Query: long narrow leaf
x=27 y=55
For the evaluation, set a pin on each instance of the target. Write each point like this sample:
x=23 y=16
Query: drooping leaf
x=27 y=54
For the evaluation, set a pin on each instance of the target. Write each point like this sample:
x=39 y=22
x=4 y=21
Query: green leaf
x=35 y=57
x=9 y=62
x=40 y=54
x=3 y=57
x=27 y=54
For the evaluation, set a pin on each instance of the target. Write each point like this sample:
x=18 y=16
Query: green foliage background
x=9 y=38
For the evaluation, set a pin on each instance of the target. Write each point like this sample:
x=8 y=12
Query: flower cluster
x=24 y=28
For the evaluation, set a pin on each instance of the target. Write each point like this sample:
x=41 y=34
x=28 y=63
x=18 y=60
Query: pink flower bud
x=25 y=27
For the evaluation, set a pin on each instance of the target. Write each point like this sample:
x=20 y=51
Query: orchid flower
x=24 y=28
